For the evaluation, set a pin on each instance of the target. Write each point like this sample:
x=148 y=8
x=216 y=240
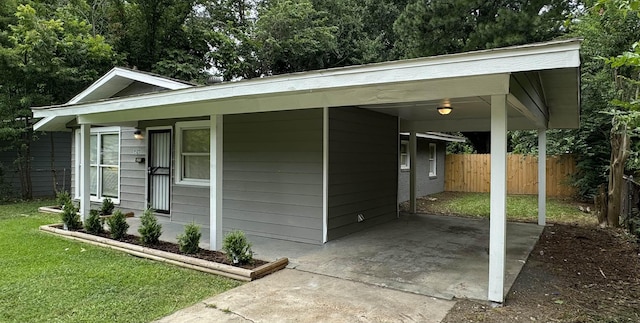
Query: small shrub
x=93 y=223
x=189 y=241
x=237 y=248
x=150 y=230
x=107 y=206
x=70 y=216
x=63 y=198
x=118 y=225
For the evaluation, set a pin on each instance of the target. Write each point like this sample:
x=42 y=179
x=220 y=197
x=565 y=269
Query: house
x=309 y=156
x=429 y=163
x=50 y=167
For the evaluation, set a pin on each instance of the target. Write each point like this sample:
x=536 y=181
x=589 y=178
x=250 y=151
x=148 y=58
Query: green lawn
x=519 y=207
x=44 y=278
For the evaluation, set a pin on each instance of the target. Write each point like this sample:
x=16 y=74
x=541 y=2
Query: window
x=193 y=140
x=104 y=163
x=404 y=155
x=432 y=160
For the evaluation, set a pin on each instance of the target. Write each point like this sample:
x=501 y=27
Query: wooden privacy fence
x=472 y=173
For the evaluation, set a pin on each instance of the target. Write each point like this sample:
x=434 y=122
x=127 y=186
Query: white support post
x=413 y=161
x=215 y=188
x=542 y=177
x=498 y=217
x=85 y=174
x=325 y=174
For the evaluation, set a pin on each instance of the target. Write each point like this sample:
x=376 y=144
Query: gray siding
x=138 y=88
x=363 y=169
x=425 y=184
x=272 y=178
x=132 y=174
x=50 y=165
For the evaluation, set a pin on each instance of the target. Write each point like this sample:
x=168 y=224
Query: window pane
x=196 y=140
x=110 y=182
x=404 y=148
x=404 y=160
x=109 y=148
x=94 y=180
x=93 y=143
x=196 y=167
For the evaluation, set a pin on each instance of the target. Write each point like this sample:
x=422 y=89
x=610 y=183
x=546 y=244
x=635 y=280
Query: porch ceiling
x=540 y=81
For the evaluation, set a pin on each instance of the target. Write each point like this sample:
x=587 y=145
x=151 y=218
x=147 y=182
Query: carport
x=523 y=87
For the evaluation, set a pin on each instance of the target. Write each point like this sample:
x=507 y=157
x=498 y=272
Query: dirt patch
x=574 y=274
x=210 y=255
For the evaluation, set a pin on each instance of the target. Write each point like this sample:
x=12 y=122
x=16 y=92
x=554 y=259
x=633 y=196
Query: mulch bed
x=574 y=274
x=210 y=255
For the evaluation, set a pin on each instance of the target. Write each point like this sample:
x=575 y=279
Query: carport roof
x=540 y=81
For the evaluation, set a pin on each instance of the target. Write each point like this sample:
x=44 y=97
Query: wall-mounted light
x=138 y=134
x=445 y=108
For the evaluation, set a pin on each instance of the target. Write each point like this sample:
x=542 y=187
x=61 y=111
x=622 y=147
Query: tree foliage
x=46 y=57
x=428 y=27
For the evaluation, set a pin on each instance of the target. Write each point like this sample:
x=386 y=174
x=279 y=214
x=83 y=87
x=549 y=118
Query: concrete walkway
x=296 y=296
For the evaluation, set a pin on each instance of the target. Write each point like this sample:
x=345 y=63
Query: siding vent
x=360 y=217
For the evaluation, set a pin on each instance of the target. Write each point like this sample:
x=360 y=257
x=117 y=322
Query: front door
x=159 y=195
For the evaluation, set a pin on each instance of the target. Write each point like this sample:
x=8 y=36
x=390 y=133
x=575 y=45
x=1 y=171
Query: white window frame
x=407 y=165
x=433 y=158
x=180 y=126
x=78 y=165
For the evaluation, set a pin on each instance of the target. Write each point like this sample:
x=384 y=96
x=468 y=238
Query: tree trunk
x=619 y=155
x=600 y=205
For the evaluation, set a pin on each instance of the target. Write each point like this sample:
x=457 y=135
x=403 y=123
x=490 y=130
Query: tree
x=293 y=36
x=47 y=58
x=427 y=28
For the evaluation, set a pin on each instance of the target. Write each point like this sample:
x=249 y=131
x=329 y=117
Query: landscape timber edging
x=172 y=258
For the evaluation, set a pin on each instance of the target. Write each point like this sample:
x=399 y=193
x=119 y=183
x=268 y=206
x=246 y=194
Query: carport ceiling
x=556 y=90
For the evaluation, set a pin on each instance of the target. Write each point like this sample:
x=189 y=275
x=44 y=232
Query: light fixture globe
x=445 y=108
x=138 y=134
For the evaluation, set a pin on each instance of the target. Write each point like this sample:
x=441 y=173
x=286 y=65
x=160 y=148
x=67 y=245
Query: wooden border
x=172 y=258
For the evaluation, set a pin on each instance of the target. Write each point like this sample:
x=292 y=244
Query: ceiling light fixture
x=445 y=108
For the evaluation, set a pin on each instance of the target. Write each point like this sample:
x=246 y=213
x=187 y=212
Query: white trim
x=77 y=153
x=407 y=165
x=178 y=176
x=216 y=190
x=78 y=163
x=542 y=177
x=433 y=170
x=133 y=76
x=325 y=174
x=498 y=207
x=85 y=177
x=413 y=173
x=437 y=136
x=543 y=56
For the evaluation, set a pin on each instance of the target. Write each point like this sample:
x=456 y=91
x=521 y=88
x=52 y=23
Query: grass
x=45 y=278
x=519 y=207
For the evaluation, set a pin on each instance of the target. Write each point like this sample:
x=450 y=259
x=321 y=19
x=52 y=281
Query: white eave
x=437 y=136
x=473 y=74
x=118 y=79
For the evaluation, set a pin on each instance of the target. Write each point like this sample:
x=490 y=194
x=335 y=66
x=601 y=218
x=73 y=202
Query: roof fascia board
x=507 y=60
x=436 y=136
